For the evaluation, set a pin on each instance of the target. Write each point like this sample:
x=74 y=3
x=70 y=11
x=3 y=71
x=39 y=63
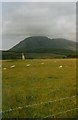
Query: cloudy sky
x=21 y=20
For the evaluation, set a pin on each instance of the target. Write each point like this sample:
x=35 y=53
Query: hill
x=42 y=44
x=37 y=46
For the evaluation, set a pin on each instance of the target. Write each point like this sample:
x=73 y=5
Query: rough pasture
x=0 y=86
x=40 y=90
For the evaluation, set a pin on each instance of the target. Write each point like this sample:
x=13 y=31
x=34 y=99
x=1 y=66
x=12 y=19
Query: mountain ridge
x=42 y=47
x=41 y=42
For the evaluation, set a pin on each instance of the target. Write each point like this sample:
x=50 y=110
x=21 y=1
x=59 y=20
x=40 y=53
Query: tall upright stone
x=23 y=57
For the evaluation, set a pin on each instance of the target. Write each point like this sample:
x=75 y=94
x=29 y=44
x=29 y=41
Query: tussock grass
x=38 y=83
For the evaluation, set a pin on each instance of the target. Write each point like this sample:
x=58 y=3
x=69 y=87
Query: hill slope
x=41 y=47
x=43 y=44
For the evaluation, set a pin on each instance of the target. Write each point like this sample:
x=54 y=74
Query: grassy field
x=0 y=86
x=41 y=90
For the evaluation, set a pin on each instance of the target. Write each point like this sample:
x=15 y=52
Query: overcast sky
x=21 y=20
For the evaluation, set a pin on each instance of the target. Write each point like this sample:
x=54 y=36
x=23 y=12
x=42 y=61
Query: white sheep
x=5 y=68
x=42 y=63
x=19 y=107
x=28 y=65
x=12 y=66
x=60 y=66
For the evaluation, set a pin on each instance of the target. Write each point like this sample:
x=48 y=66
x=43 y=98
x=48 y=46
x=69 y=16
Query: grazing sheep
x=28 y=65
x=19 y=107
x=5 y=68
x=42 y=63
x=60 y=66
x=12 y=66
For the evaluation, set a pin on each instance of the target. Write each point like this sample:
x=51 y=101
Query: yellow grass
x=46 y=89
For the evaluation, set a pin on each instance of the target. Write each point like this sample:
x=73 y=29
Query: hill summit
x=43 y=44
x=41 y=47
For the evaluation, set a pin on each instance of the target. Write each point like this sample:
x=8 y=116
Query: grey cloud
x=27 y=19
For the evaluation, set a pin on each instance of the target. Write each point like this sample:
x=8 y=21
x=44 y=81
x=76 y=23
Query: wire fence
x=54 y=115
x=33 y=105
